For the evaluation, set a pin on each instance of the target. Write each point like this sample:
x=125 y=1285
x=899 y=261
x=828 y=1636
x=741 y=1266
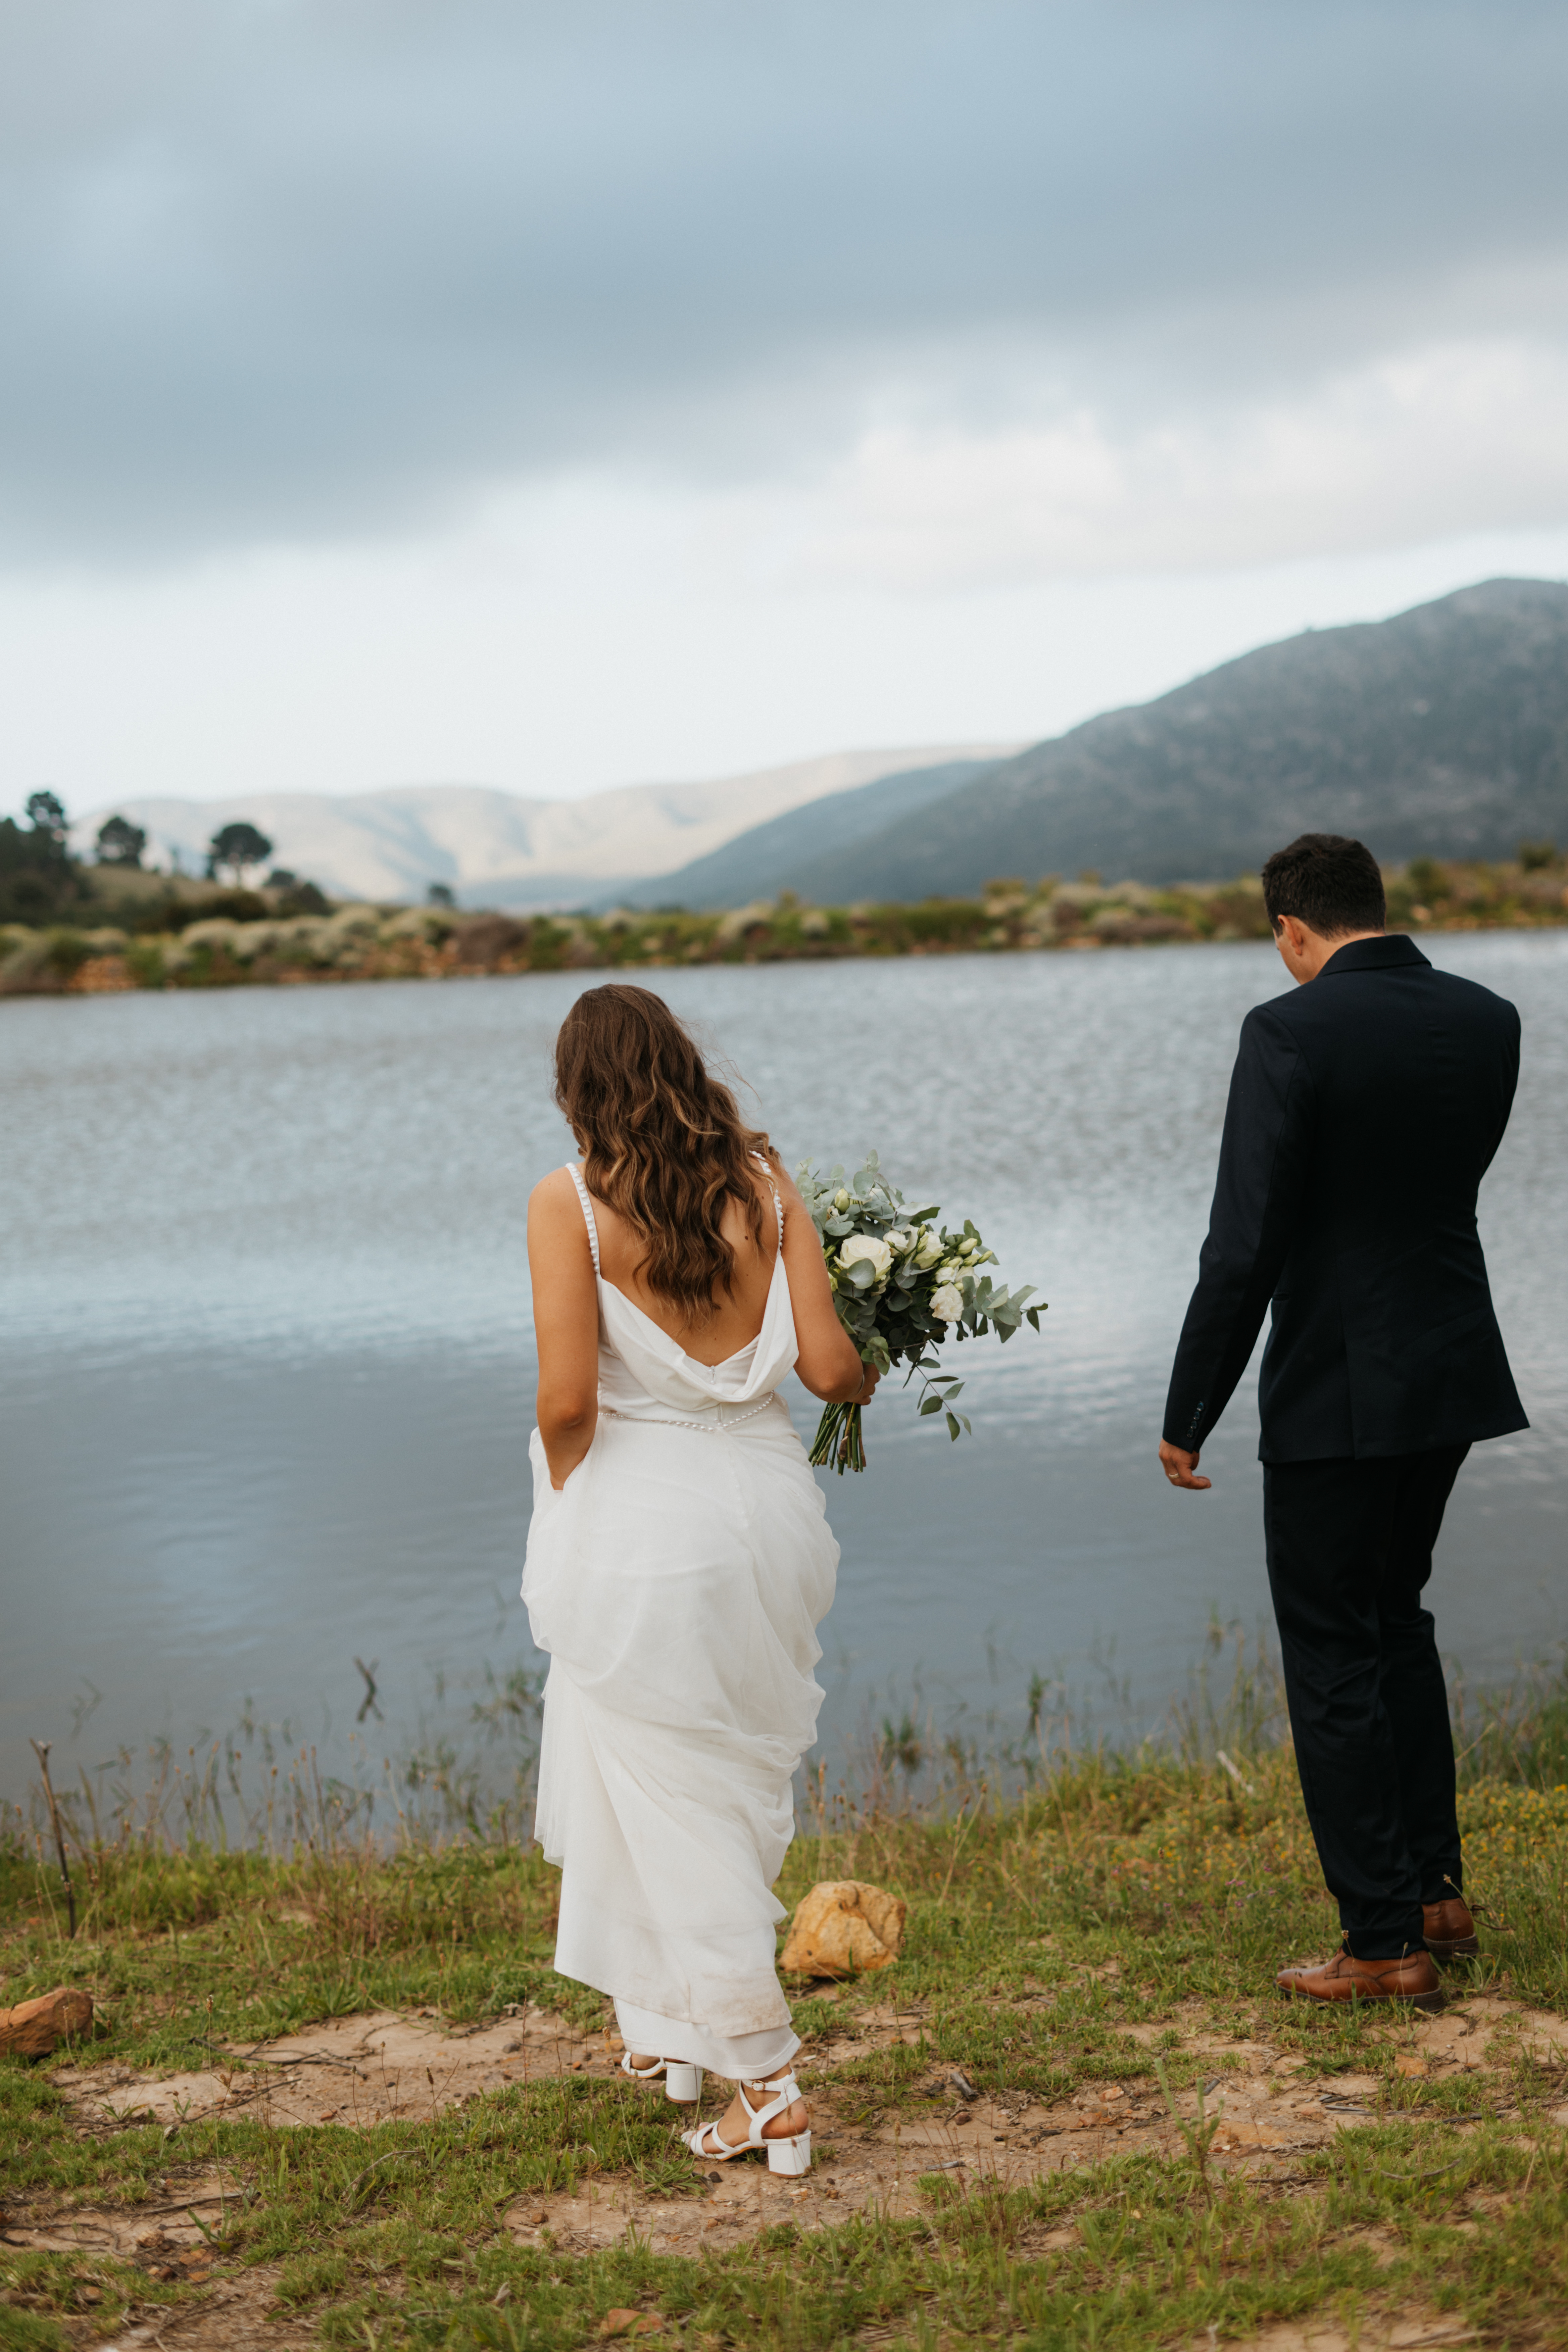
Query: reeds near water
x=1205 y=1812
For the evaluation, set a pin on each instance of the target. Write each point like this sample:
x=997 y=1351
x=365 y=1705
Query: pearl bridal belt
x=726 y=1416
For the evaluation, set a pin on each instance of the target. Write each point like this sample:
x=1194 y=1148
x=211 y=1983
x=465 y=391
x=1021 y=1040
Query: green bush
x=144 y=958
x=301 y=898
x=68 y=950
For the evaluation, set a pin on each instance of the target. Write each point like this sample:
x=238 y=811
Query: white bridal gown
x=677 y=1582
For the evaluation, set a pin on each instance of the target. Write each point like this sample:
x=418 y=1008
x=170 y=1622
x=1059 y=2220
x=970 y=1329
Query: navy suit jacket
x=1364 y=1110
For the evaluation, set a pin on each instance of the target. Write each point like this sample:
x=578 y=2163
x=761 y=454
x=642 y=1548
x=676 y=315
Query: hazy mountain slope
x=1443 y=732
x=497 y=849
x=768 y=858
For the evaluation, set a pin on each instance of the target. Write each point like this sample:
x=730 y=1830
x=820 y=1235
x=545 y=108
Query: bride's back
x=737 y=1315
x=681 y=1189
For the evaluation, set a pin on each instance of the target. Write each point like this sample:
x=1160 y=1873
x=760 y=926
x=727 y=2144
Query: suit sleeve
x=1263 y=1159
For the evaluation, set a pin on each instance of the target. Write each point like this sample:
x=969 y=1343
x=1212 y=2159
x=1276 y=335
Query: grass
x=1141 y=2259
x=1156 y=1892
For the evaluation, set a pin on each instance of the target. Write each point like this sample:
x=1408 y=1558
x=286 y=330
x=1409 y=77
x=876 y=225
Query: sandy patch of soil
x=1376 y=2332
x=1270 y=2107
x=237 y=2315
x=235 y=2309
x=358 y=2070
x=364 y=2070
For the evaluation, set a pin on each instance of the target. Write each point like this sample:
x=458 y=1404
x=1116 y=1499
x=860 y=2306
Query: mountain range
x=1441 y=732
x=495 y=848
x=807 y=841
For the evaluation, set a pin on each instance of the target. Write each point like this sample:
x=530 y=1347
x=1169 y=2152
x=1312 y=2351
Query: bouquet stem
x=840 y=1439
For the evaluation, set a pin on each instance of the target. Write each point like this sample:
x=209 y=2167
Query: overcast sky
x=560 y=395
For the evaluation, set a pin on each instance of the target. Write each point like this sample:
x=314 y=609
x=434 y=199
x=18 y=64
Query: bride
x=679 y=1559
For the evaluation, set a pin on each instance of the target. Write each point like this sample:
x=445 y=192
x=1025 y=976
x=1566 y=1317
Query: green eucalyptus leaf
x=952 y=1424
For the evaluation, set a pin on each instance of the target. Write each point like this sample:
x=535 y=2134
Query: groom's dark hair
x=1326 y=881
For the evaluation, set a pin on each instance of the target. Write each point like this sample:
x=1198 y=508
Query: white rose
x=861 y=1248
x=947 y=1304
x=898 y=1240
x=930 y=1250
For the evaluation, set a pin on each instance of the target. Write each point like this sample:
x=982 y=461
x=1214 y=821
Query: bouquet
x=903 y=1285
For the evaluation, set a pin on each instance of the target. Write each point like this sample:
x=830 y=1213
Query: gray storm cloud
x=278 y=271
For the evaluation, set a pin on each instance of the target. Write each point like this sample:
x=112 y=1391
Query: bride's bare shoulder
x=554 y=1198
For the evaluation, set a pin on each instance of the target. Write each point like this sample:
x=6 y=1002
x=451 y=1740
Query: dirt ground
x=359 y=2071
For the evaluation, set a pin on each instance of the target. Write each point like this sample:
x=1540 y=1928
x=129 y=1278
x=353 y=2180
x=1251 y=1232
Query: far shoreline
x=166 y=945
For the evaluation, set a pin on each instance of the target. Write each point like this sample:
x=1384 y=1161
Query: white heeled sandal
x=680 y=2082
x=787 y=2156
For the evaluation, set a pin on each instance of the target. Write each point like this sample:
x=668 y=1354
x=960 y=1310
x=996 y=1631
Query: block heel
x=790 y=2156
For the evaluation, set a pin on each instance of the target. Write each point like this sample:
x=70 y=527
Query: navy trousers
x=1350 y=1551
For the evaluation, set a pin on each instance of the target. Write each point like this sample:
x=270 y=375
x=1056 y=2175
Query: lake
x=267 y=1373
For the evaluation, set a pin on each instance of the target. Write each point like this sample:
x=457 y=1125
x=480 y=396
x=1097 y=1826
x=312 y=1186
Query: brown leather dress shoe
x=1412 y=1977
x=1449 y=1931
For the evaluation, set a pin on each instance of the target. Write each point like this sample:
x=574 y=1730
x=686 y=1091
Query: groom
x=1364 y=1110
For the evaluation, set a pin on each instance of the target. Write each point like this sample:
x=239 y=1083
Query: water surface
x=266 y=1385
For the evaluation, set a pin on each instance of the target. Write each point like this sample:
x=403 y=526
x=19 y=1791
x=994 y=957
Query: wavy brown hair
x=662 y=1141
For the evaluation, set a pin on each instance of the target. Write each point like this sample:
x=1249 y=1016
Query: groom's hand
x=1179 y=1468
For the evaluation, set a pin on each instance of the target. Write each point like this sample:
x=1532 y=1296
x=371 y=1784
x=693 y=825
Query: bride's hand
x=868 y=1389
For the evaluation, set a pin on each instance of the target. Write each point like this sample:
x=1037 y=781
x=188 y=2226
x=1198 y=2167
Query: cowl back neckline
x=632 y=1343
